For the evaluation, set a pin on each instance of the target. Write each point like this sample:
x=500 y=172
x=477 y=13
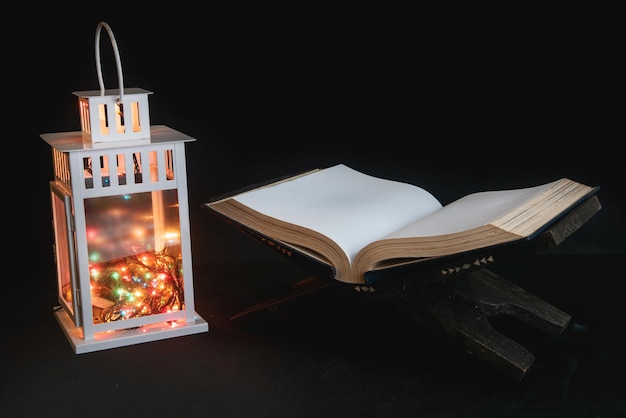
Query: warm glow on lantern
x=121 y=222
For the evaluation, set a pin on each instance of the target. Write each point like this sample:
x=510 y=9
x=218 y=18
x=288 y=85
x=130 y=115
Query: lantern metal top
x=73 y=141
x=111 y=92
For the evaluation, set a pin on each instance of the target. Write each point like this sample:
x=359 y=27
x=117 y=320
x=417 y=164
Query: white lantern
x=121 y=225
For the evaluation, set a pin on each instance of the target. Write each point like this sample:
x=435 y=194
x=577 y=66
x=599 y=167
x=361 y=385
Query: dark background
x=451 y=103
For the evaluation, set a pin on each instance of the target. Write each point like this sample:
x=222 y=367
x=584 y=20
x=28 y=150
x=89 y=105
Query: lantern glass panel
x=135 y=259
x=65 y=256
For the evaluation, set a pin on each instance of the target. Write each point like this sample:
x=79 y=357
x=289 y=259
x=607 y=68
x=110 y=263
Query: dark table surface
x=335 y=353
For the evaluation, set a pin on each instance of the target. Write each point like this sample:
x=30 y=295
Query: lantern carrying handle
x=118 y=61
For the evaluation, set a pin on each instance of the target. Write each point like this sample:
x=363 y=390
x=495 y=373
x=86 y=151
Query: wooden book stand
x=458 y=296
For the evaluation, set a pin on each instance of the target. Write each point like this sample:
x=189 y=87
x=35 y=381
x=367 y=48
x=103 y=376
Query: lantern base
x=125 y=337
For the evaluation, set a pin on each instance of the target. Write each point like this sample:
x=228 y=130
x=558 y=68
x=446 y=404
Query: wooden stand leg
x=461 y=307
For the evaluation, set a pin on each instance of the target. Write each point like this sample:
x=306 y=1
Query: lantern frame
x=72 y=187
x=122 y=239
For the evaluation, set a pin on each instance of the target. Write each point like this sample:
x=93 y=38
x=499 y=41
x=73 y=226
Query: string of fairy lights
x=136 y=286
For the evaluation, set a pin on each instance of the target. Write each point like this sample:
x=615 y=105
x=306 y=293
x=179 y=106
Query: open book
x=356 y=223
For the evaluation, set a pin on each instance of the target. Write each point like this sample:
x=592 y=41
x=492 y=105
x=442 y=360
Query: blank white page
x=471 y=211
x=350 y=207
